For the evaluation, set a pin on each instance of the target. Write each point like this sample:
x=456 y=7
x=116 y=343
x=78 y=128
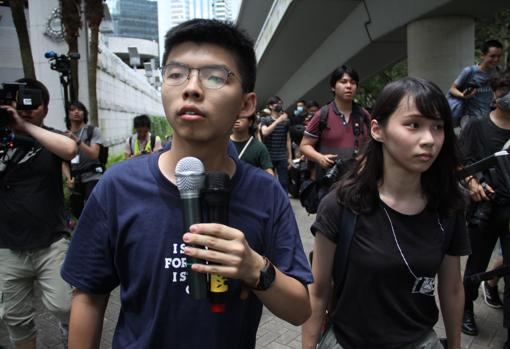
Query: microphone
x=216 y=197
x=189 y=174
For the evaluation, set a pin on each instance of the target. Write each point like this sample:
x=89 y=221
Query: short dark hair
x=223 y=34
x=141 y=121
x=82 y=107
x=340 y=71
x=274 y=100
x=358 y=190
x=312 y=103
x=500 y=79
x=491 y=43
x=37 y=85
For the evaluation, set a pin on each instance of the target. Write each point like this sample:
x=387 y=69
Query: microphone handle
x=197 y=281
x=218 y=284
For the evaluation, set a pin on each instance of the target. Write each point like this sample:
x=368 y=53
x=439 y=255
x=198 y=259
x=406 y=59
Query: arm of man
x=307 y=148
x=320 y=290
x=66 y=172
x=289 y=150
x=233 y=258
x=86 y=321
x=266 y=130
x=451 y=298
x=58 y=144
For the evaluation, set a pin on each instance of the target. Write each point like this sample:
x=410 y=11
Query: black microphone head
x=217 y=180
x=189 y=175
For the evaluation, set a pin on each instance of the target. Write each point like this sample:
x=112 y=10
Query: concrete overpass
x=299 y=42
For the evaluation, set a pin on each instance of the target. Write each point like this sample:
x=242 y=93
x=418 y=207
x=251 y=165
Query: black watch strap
x=267 y=276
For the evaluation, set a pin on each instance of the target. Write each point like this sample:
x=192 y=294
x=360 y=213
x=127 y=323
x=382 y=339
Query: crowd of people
x=392 y=220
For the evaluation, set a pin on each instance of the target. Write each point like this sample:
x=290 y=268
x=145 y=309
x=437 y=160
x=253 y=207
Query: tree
x=71 y=20
x=94 y=15
x=496 y=27
x=20 y=22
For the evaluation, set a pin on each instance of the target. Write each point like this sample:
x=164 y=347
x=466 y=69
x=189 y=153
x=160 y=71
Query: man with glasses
x=131 y=233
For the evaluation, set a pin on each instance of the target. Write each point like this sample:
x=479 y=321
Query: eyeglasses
x=211 y=77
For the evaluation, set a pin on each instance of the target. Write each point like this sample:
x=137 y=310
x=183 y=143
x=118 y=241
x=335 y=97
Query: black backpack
x=103 y=150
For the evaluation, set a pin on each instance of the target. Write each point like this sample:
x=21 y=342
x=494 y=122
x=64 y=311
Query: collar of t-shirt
x=340 y=114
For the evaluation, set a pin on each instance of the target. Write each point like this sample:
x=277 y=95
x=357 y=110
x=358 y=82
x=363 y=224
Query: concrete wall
x=122 y=94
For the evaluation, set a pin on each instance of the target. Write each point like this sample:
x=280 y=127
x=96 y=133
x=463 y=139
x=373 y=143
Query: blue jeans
x=282 y=170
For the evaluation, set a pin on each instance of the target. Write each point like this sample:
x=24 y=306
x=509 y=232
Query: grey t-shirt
x=82 y=162
x=478 y=105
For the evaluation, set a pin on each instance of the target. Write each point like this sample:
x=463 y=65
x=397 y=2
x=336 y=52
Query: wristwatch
x=267 y=276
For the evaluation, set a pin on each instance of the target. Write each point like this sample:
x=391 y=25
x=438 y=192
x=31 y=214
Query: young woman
x=409 y=228
x=85 y=170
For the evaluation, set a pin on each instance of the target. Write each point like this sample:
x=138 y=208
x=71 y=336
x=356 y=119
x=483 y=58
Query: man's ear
x=376 y=131
x=249 y=104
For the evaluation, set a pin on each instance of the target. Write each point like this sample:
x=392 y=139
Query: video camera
x=24 y=98
x=61 y=63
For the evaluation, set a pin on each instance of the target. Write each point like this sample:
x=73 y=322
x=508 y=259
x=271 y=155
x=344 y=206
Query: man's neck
x=240 y=136
x=76 y=126
x=483 y=67
x=344 y=106
x=213 y=156
x=500 y=118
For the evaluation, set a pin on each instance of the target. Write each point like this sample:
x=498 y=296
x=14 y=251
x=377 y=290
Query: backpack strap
x=153 y=141
x=90 y=133
x=323 y=121
x=340 y=261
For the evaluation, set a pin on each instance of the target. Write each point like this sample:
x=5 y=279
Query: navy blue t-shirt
x=130 y=233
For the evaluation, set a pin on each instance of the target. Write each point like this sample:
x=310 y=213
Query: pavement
x=273 y=333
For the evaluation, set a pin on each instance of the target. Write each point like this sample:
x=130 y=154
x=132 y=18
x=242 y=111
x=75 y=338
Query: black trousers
x=483 y=239
x=79 y=196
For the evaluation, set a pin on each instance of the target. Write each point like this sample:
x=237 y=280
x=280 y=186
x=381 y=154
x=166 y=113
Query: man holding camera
x=473 y=83
x=32 y=223
x=489 y=211
x=338 y=129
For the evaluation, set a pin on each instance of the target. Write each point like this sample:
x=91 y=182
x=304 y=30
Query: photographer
x=32 y=223
x=472 y=84
x=490 y=198
x=142 y=141
x=84 y=171
x=338 y=129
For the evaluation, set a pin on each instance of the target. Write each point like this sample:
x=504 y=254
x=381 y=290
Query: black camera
x=470 y=86
x=482 y=210
x=61 y=63
x=333 y=173
x=25 y=99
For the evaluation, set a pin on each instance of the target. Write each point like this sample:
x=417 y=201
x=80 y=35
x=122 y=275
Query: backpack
x=103 y=150
x=457 y=104
x=152 y=142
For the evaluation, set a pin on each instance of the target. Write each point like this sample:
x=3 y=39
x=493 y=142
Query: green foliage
x=160 y=127
x=498 y=28
x=114 y=158
x=368 y=91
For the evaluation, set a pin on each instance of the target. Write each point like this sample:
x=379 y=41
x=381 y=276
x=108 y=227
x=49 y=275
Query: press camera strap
x=245 y=147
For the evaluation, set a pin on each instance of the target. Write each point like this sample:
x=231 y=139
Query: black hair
x=82 y=107
x=37 y=85
x=340 y=71
x=141 y=121
x=358 y=189
x=223 y=34
x=500 y=79
x=273 y=100
x=491 y=43
x=312 y=103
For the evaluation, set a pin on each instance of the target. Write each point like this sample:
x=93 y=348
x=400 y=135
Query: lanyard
x=245 y=147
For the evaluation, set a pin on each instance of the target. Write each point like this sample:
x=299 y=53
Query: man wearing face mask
x=275 y=131
x=489 y=195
